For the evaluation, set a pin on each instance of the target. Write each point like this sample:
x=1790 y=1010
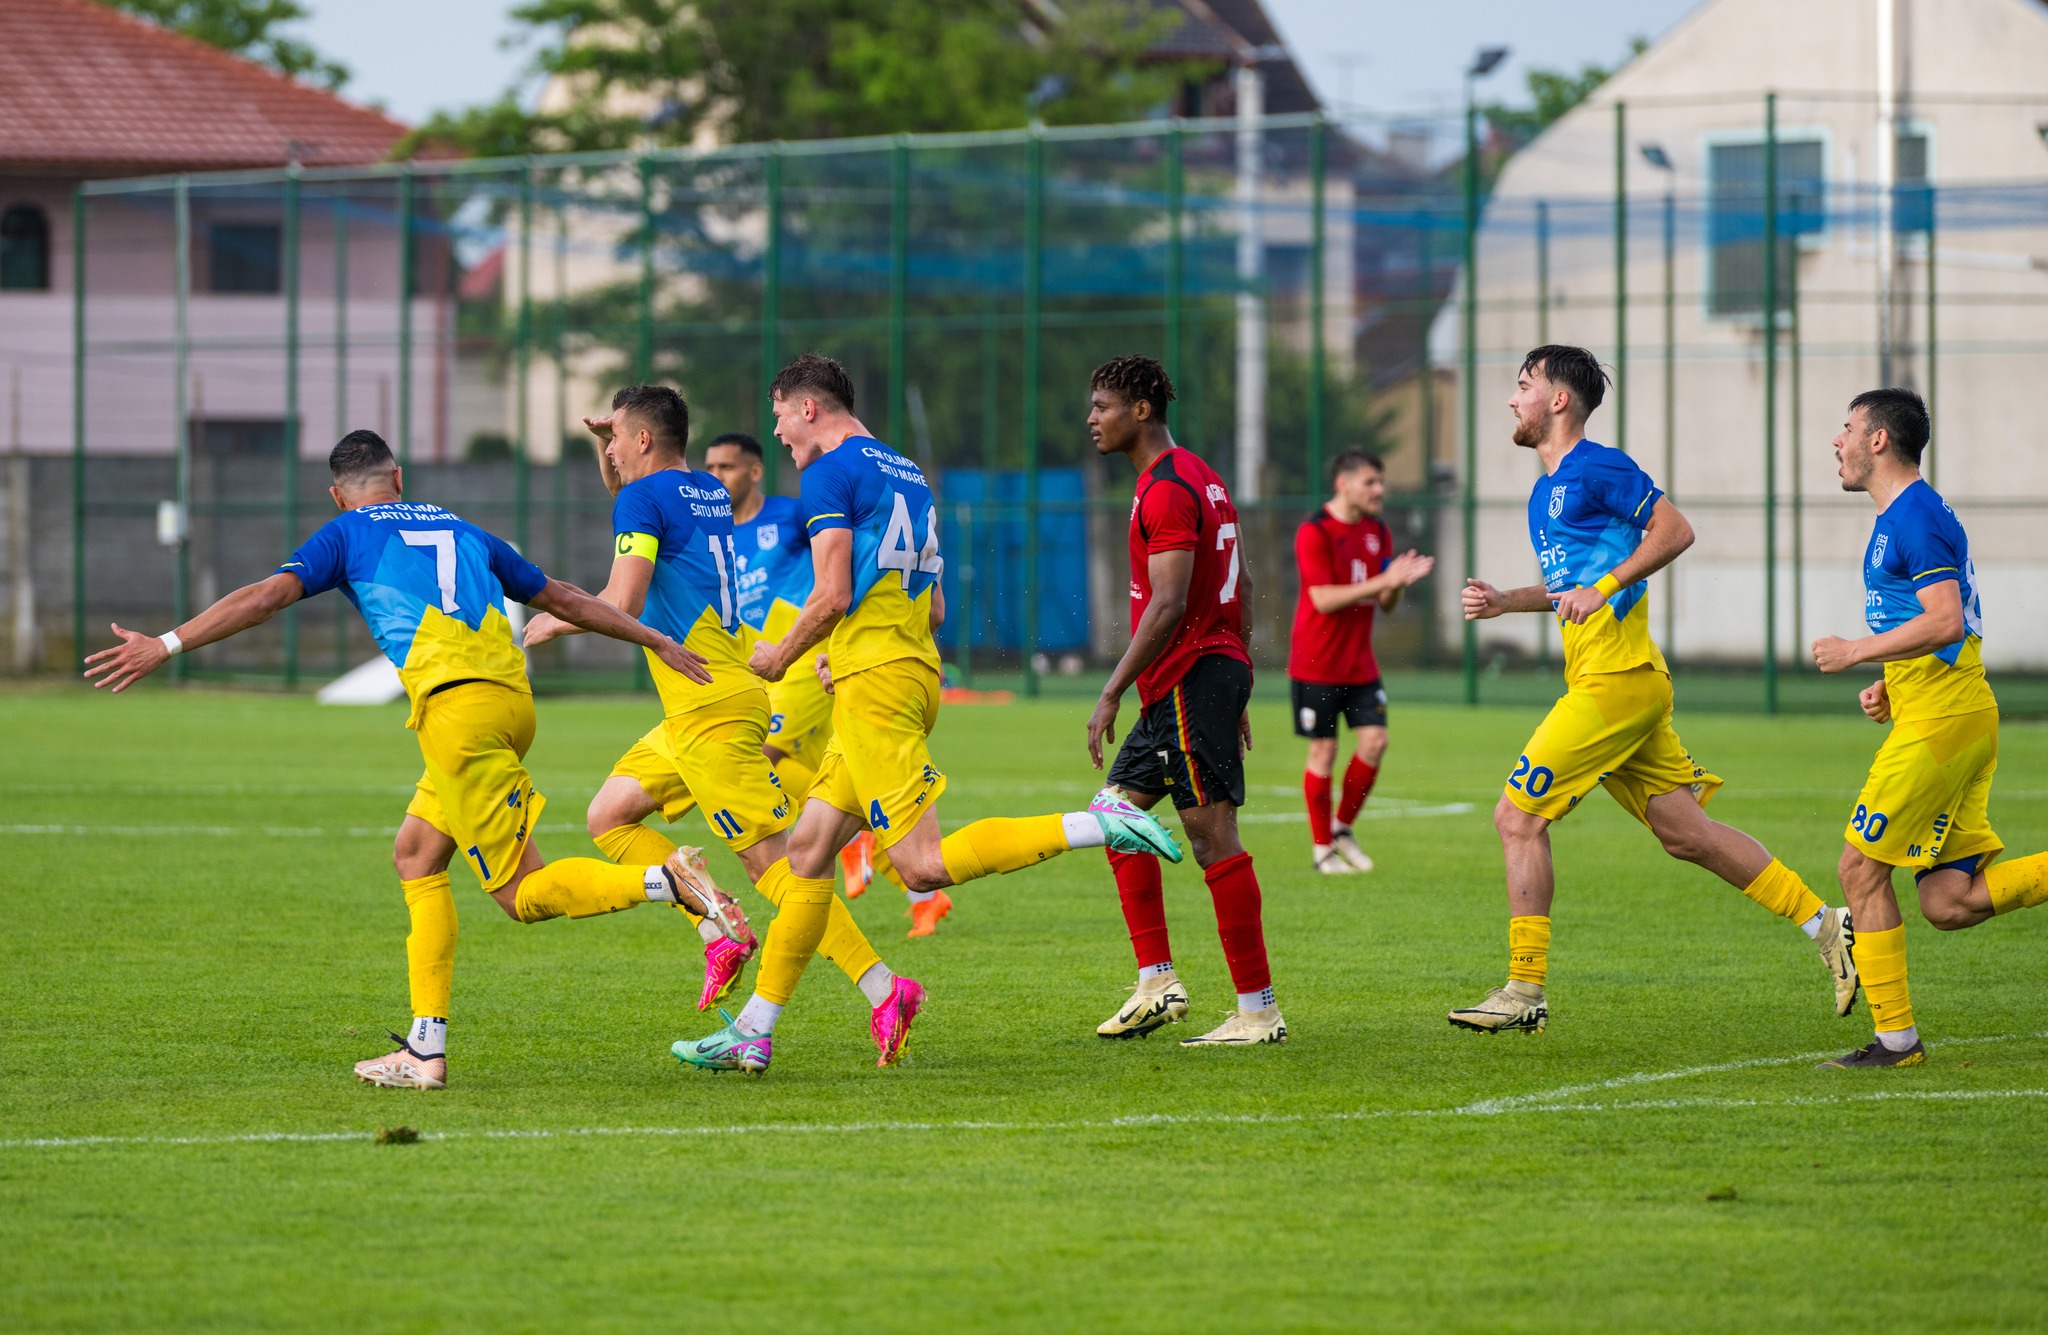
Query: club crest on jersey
x=1372 y=544
x=1877 y=550
x=1556 y=501
x=766 y=536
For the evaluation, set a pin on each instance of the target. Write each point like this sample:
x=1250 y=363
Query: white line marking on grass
x=1544 y=1101
x=199 y=789
x=1370 y=813
x=242 y=831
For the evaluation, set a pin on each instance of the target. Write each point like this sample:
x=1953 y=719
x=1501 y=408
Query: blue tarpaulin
x=996 y=498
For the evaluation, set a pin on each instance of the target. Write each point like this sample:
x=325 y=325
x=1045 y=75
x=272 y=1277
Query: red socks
x=1144 y=901
x=1358 y=777
x=1316 y=788
x=1235 y=889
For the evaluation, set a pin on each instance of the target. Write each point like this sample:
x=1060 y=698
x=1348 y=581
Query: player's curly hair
x=1573 y=367
x=1136 y=378
x=819 y=377
x=658 y=408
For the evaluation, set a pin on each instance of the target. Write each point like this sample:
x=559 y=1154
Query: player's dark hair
x=358 y=453
x=1903 y=415
x=1350 y=461
x=746 y=443
x=817 y=376
x=658 y=408
x=1575 y=368
x=1136 y=378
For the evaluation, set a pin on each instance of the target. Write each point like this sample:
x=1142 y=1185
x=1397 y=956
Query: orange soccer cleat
x=857 y=861
x=924 y=917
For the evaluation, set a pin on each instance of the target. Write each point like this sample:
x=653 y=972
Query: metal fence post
x=408 y=263
x=964 y=643
x=1542 y=272
x=1318 y=355
x=561 y=352
x=78 y=427
x=290 y=483
x=1670 y=402
x=1468 y=352
x=643 y=347
x=1933 y=457
x=181 y=288
x=1034 y=293
x=341 y=427
x=1621 y=276
x=1770 y=403
x=1798 y=489
x=771 y=315
x=522 y=458
x=1176 y=248
x=899 y=284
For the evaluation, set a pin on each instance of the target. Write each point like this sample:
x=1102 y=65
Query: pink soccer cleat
x=890 y=1023
x=724 y=962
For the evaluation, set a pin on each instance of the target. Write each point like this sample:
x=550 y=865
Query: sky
x=414 y=56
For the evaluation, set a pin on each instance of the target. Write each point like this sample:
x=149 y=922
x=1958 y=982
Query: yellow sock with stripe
x=1881 y=963
x=1529 y=949
x=430 y=946
x=843 y=942
x=1002 y=844
x=581 y=888
x=803 y=908
x=794 y=776
x=638 y=846
x=2021 y=884
x=1779 y=889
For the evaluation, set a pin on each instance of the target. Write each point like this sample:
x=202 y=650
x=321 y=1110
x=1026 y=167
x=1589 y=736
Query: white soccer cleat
x=1837 y=944
x=404 y=1069
x=690 y=884
x=1513 y=1005
x=1348 y=849
x=1330 y=862
x=1154 y=1003
x=1242 y=1030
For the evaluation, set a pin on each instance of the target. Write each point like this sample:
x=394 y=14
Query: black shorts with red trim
x=1186 y=744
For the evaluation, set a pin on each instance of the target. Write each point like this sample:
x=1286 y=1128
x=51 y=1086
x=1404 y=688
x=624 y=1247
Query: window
x=224 y=437
x=1913 y=193
x=243 y=257
x=1735 y=219
x=24 y=249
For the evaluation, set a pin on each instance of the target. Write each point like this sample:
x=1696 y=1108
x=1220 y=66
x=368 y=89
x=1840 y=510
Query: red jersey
x=1335 y=648
x=1181 y=506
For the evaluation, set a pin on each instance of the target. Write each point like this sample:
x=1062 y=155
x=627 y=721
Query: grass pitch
x=202 y=931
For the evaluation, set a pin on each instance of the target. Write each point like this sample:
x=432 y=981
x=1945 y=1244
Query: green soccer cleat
x=1129 y=829
x=1876 y=1053
x=1513 y=1005
x=726 y=1050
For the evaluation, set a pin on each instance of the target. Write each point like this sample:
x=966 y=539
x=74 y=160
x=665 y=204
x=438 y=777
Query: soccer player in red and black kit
x=1187 y=657
x=1348 y=570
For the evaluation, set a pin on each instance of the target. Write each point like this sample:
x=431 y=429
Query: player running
x=433 y=588
x=1601 y=528
x=1345 y=556
x=1187 y=657
x=1926 y=804
x=875 y=549
x=677 y=570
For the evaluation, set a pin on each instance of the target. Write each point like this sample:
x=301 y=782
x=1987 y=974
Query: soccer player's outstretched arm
x=1170 y=573
x=573 y=605
x=830 y=598
x=138 y=655
x=1483 y=602
x=625 y=588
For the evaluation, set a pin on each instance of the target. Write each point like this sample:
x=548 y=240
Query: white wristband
x=172 y=644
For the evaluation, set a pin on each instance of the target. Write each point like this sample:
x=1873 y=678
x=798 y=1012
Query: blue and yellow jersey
x=682 y=522
x=1917 y=542
x=432 y=588
x=1584 y=520
x=775 y=571
x=882 y=497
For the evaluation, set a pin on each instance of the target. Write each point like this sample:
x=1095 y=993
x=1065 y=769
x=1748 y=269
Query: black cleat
x=1877 y=1054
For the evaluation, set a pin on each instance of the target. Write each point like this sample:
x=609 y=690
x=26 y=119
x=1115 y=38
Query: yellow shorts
x=710 y=758
x=1612 y=729
x=877 y=766
x=800 y=716
x=475 y=789
x=1928 y=796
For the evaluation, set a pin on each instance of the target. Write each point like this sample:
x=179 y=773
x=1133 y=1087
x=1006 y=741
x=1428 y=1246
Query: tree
x=661 y=72
x=247 y=28
x=1551 y=94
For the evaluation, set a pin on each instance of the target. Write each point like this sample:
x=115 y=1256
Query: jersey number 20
x=897 y=552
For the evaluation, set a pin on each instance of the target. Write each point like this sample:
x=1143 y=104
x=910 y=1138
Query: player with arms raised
x=1926 y=804
x=1187 y=657
x=1601 y=528
x=1345 y=556
x=875 y=552
x=433 y=589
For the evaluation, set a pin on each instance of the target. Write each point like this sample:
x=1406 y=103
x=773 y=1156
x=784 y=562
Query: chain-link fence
x=1306 y=280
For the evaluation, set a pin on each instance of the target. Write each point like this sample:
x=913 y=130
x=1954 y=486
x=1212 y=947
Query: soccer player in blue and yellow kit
x=677 y=569
x=1601 y=528
x=1926 y=804
x=875 y=550
x=433 y=589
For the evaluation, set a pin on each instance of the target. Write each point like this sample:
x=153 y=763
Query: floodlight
x=1488 y=59
x=1655 y=155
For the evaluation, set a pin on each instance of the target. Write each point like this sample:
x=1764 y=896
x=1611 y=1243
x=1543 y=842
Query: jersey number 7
x=897 y=553
x=443 y=543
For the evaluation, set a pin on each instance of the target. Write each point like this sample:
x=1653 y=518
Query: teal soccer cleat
x=726 y=1050
x=1130 y=830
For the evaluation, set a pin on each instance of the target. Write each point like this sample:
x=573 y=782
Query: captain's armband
x=644 y=545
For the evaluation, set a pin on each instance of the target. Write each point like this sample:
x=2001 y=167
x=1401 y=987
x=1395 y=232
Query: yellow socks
x=1881 y=961
x=803 y=908
x=843 y=942
x=580 y=888
x=637 y=845
x=1779 y=889
x=1002 y=844
x=430 y=946
x=1529 y=949
x=2021 y=884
